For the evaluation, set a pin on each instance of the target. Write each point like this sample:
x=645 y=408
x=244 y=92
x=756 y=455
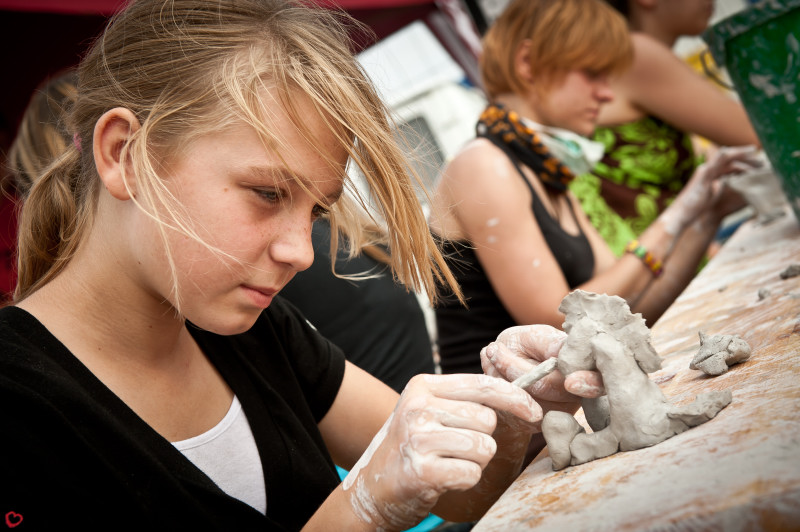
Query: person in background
x=148 y=339
x=377 y=322
x=515 y=237
x=646 y=133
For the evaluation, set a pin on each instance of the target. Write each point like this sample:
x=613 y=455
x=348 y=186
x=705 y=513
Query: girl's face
x=574 y=103
x=244 y=200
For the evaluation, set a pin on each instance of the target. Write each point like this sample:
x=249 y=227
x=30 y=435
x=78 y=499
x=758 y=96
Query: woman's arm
x=681 y=234
x=492 y=207
x=690 y=248
x=681 y=269
x=660 y=84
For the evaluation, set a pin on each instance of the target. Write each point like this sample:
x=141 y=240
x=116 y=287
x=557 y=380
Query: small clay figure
x=718 y=352
x=604 y=335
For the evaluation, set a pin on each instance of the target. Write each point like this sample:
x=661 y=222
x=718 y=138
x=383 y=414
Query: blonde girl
x=150 y=375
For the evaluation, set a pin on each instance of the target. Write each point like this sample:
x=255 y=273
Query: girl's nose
x=293 y=246
x=603 y=91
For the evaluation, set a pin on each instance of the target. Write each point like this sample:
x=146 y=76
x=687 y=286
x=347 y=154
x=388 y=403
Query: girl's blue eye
x=320 y=210
x=268 y=194
x=276 y=196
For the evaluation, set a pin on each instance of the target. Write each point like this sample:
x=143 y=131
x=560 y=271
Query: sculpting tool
x=539 y=372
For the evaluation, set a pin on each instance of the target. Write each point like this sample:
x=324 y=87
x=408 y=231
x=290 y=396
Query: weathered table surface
x=738 y=471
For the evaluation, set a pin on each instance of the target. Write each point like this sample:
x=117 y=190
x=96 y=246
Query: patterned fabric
x=501 y=124
x=646 y=164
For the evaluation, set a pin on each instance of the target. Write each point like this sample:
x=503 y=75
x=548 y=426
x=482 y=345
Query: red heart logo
x=13 y=519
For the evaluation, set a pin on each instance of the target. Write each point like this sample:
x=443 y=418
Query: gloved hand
x=438 y=438
x=518 y=349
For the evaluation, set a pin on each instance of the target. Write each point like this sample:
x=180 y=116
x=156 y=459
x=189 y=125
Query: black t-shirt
x=75 y=456
x=378 y=324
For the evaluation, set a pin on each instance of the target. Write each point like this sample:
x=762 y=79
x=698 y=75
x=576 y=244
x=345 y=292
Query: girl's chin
x=238 y=324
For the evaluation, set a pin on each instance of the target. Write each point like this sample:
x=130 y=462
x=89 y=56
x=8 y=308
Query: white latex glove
x=518 y=349
x=703 y=189
x=437 y=439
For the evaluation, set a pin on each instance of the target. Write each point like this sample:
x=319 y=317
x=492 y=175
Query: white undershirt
x=228 y=455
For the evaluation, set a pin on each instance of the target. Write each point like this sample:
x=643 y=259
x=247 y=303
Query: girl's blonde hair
x=187 y=68
x=564 y=36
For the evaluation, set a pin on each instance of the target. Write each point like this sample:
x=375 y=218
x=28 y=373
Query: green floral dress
x=645 y=165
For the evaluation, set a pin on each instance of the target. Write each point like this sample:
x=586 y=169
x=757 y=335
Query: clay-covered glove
x=518 y=349
x=702 y=191
x=438 y=438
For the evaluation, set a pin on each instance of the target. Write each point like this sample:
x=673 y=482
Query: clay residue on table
x=719 y=351
x=793 y=270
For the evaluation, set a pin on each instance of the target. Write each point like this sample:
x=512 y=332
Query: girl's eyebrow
x=278 y=174
x=334 y=196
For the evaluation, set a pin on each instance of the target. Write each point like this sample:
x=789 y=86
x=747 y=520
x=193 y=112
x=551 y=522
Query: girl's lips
x=261 y=297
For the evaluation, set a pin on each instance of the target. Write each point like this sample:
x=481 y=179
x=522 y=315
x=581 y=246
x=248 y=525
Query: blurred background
x=422 y=56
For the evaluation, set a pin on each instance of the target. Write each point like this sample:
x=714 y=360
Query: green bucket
x=760 y=48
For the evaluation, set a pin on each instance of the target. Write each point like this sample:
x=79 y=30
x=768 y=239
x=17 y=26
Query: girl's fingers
x=492 y=392
x=451 y=443
x=549 y=389
x=505 y=362
x=587 y=384
x=451 y=473
x=537 y=342
x=427 y=411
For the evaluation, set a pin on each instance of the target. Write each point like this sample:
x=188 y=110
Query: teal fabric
x=429 y=523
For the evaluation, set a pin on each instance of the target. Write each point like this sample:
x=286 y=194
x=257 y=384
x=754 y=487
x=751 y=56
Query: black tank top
x=463 y=332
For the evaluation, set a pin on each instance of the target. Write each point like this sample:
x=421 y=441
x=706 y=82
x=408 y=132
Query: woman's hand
x=726 y=201
x=439 y=438
x=519 y=349
x=703 y=190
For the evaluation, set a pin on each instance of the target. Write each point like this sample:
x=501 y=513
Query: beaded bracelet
x=650 y=261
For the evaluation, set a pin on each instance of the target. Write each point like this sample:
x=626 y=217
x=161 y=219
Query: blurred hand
x=726 y=200
x=703 y=190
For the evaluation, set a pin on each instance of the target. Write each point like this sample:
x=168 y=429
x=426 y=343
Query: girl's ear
x=522 y=62
x=111 y=132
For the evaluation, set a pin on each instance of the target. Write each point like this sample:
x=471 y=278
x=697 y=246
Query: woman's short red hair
x=564 y=35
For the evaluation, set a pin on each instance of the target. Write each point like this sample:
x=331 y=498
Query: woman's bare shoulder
x=476 y=156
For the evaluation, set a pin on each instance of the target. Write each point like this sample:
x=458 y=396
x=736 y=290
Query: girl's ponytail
x=49 y=224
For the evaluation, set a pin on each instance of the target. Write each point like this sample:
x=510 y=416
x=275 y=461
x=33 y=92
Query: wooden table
x=739 y=471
